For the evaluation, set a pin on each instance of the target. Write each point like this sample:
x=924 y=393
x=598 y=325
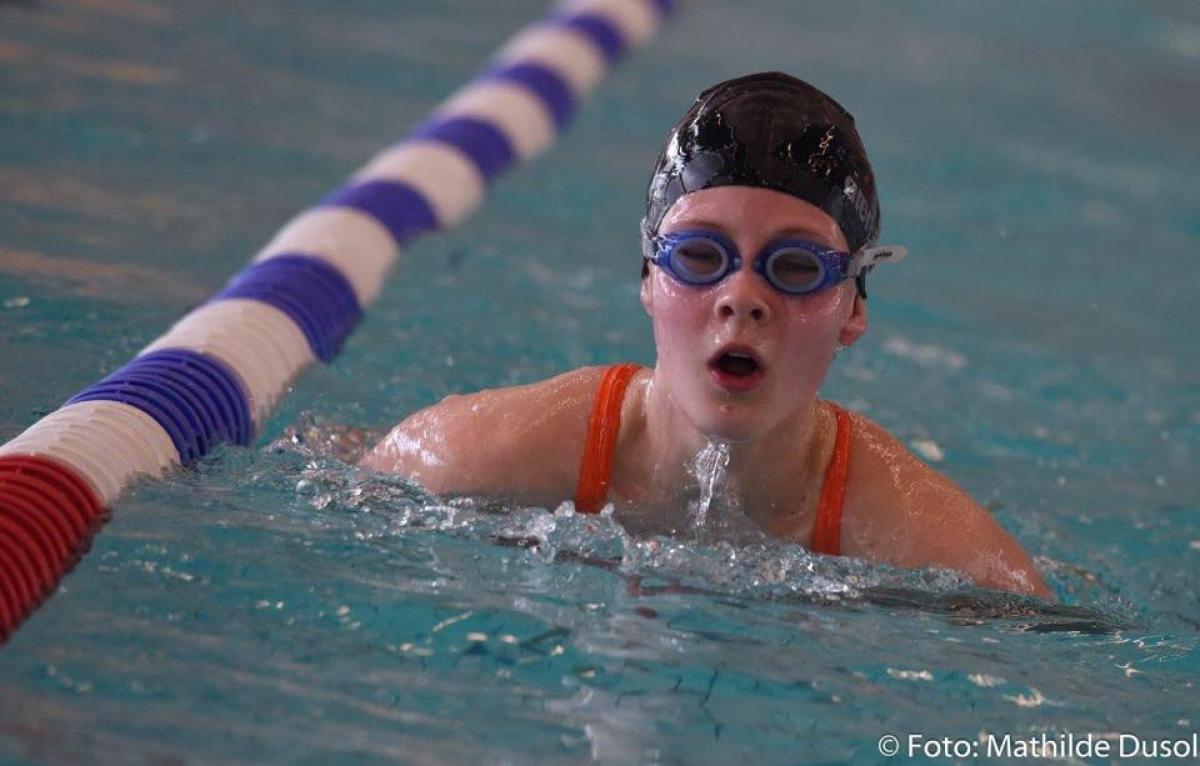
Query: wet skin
x=525 y=443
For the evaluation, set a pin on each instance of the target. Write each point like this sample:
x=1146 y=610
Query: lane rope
x=218 y=373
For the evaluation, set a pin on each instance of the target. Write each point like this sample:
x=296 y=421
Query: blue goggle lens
x=794 y=270
x=699 y=261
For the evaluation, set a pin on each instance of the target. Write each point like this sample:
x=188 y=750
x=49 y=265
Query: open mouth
x=737 y=364
x=738 y=369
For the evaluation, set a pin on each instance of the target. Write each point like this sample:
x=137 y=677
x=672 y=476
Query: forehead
x=749 y=211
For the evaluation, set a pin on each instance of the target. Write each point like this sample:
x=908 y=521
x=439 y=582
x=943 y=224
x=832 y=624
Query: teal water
x=275 y=605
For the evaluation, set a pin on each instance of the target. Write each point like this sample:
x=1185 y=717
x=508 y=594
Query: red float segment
x=12 y=587
x=77 y=500
x=35 y=556
x=52 y=531
x=25 y=559
x=48 y=514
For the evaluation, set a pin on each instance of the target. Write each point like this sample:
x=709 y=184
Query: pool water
x=276 y=604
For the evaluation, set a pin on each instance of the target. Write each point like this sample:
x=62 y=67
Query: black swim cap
x=772 y=131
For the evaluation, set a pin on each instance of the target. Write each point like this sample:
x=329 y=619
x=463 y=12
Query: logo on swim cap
x=772 y=131
x=862 y=206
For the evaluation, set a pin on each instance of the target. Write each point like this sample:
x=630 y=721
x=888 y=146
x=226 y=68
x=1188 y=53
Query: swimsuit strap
x=827 y=530
x=603 y=426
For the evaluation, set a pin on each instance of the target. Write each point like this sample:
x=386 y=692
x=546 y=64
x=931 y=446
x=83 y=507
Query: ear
x=856 y=324
x=647 y=294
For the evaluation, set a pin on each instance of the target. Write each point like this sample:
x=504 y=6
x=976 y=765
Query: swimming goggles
x=792 y=266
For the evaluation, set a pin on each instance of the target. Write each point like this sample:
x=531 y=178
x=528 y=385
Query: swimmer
x=760 y=228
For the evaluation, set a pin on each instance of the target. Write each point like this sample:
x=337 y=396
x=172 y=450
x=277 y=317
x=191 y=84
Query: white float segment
x=636 y=19
x=107 y=443
x=258 y=342
x=566 y=51
x=511 y=108
x=350 y=240
x=443 y=174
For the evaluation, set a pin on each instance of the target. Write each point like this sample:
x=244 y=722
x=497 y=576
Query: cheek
x=680 y=312
x=830 y=306
x=816 y=321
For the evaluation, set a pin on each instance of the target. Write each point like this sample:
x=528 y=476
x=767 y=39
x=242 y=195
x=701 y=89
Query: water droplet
x=928 y=449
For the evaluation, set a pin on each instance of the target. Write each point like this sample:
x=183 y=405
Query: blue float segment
x=196 y=399
x=664 y=6
x=400 y=208
x=480 y=140
x=603 y=33
x=316 y=296
x=545 y=83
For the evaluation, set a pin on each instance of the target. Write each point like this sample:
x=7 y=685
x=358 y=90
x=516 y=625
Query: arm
x=521 y=444
x=903 y=512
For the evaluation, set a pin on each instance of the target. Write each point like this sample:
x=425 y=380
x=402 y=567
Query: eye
x=795 y=270
x=699 y=259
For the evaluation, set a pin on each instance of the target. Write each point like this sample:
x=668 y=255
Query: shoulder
x=521 y=442
x=902 y=511
x=892 y=491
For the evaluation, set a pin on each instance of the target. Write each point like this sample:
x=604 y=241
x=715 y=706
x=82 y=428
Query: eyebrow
x=802 y=231
x=794 y=231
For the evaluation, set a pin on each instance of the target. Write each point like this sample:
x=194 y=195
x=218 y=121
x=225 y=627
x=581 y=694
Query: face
x=739 y=358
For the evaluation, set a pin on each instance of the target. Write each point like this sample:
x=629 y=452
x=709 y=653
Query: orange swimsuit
x=605 y=422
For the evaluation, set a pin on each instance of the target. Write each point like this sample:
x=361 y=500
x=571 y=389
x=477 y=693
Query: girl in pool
x=759 y=231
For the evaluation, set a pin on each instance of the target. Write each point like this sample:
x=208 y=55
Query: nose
x=743 y=297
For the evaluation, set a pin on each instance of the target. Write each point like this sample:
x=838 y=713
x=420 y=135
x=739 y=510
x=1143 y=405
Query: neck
x=762 y=473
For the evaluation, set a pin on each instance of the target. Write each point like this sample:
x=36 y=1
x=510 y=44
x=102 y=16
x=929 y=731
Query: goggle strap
x=870 y=257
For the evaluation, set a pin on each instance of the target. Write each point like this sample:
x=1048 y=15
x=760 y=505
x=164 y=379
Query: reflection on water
x=301 y=593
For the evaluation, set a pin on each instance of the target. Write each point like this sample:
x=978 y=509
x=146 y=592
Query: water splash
x=710 y=467
x=316 y=436
x=716 y=512
x=722 y=553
